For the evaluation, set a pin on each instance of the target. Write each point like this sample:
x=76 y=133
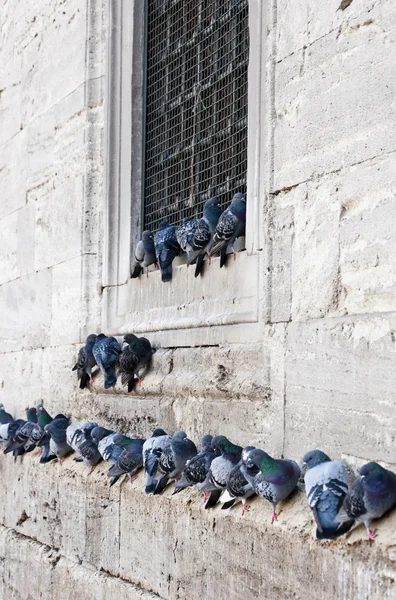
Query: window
x=196 y=106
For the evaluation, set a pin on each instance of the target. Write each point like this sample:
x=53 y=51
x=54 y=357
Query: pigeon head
x=147 y=235
x=163 y=225
x=246 y=451
x=259 y=458
x=223 y=445
x=101 y=336
x=239 y=197
x=206 y=442
x=91 y=339
x=158 y=432
x=179 y=435
x=313 y=458
x=31 y=414
x=372 y=471
x=98 y=433
x=130 y=338
x=1 y=406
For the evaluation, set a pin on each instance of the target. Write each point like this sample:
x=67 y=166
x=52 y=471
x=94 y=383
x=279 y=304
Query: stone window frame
x=209 y=307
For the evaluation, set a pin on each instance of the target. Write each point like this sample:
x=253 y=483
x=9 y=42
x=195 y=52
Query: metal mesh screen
x=196 y=106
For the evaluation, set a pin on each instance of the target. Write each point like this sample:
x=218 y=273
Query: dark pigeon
x=238 y=488
x=173 y=459
x=326 y=485
x=106 y=351
x=144 y=254
x=152 y=451
x=57 y=430
x=5 y=417
x=79 y=438
x=198 y=467
x=372 y=494
x=231 y=225
x=135 y=360
x=85 y=362
x=129 y=461
x=166 y=249
x=221 y=467
x=28 y=435
x=185 y=235
x=203 y=235
x=277 y=478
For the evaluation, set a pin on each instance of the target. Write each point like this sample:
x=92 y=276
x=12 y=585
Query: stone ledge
x=175 y=548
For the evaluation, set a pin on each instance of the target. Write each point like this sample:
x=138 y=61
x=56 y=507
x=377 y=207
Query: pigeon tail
x=199 y=265
x=84 y=381
x=110 y=378
x=137 y=269
x=114 y=480
x=228 y=504
x=330 y=533
x=213 y=498
x=161 y=485
x=223 y=256
x=166 y=274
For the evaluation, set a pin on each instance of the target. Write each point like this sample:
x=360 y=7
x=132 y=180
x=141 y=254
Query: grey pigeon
x=144 y=254
x=326 y=485
x=5 y=417
x=43 y=419
x=104 y=439
x=203 y=235
x=29 y=434
x=173 y=459
x=14 y=431
x=197 y=468
x=230 y=226
x=57 y=430
x=106 y=351
x=221 y=467
x=80 y=440
x=129 y=461
x=76 y=433
x=372 y=494
x=85 y=362
x=152 y=451
x=135 y=360
x=185 y=235
x=9 y=430
x=238 y=488
x=277 y=478
x=166 y=249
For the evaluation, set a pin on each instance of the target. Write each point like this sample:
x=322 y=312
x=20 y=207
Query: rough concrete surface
x=291 y=347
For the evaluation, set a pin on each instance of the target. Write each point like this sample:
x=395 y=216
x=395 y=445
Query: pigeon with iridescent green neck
x=221 y=467
x=238 y=489
x=372 y=494
x=276 y=480
x=326 y=485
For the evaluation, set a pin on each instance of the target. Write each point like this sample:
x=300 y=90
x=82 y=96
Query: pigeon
x=76 y=433
x=103 y=438
x=221 y=467
x=372 y=494
x=166 y=249
x=144 y=254
x=152 y=450
x=31 y=414
x=85 y=362
x=57 y=430
x=27 y=436
x=106 y=351
x=14 y=445
x=173 y=459
x=197 y=469
x=185 y=235
x=78 y=436
x=326 y=485
x=43 y=419
x=129 y=461
x=5 y=417
x=135 y=360
x=8 y=430
x=277 y=478
x=238 y=488
x=230 y=226
x=203 y=234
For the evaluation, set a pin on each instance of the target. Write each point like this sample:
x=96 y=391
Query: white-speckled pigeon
x=173 y=460
x=144 y=254
x=152 y=450
x=326 y=484
x=203 y=236
x=57 y=430
x=238 y=488
x=106 y=351
x=166 y=249
x=135 y=360
x=85 y=362
x=220 y=468
x=197 y=469
x=129 y=461
x=372 y=494
x=231 y=225
x=277 y=478
x=79 y=438
x=185 y=235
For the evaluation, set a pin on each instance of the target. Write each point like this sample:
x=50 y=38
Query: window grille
x=196 y=106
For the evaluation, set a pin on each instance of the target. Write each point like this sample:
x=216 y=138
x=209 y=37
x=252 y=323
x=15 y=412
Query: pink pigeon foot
x=132 y=479
x=205 y=496
x=274 y=516
x=245 y=508
x=372 y=534
x=234 y=253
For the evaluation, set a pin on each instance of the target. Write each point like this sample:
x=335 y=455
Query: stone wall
x=316 y=370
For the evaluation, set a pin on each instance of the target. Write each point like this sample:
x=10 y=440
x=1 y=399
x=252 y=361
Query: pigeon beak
x=362 y=477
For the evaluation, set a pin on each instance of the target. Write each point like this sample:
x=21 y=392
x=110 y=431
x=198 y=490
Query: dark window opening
x=196 y=106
